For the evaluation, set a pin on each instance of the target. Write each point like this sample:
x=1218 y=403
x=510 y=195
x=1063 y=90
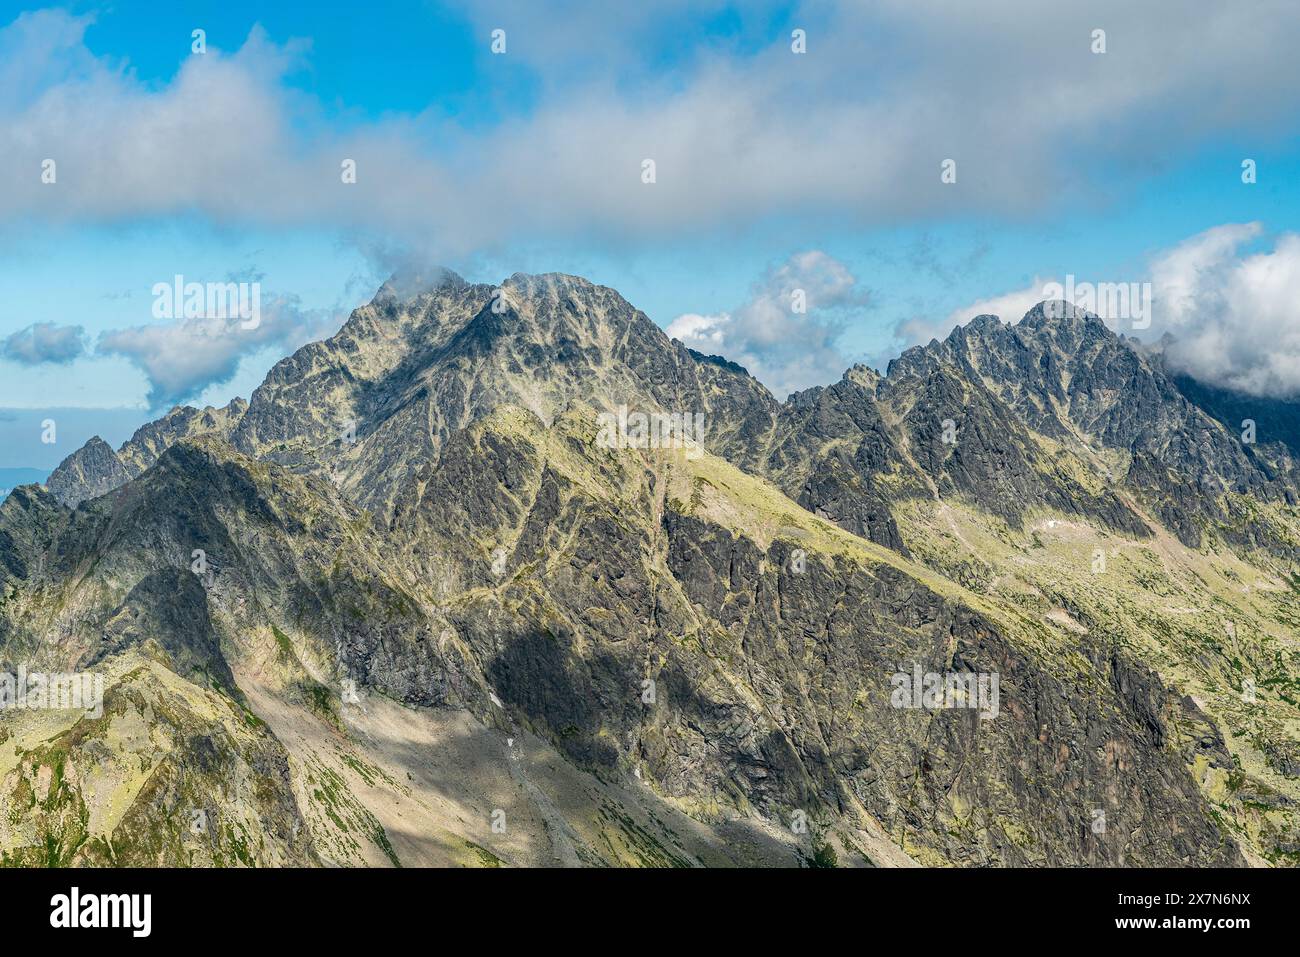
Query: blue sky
x=774 y=169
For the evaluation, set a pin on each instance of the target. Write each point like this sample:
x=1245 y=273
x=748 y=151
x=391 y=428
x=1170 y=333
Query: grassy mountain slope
x=407 y=604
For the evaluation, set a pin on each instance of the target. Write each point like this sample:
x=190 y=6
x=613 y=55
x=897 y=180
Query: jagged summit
x=985 y=321
x=549 y=283
x=407 y=285
x=1056 y=310
x=96 y=469
x=717 y=360
x=91 y=471
x=403 y=375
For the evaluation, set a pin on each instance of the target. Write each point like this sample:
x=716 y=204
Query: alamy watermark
x=41 y=691
x=651 y=430
x=933 y=691
x=208 y=300
x=75 y=909
x=1126 y=301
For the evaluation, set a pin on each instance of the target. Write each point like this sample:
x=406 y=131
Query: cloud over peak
x=1233 y=316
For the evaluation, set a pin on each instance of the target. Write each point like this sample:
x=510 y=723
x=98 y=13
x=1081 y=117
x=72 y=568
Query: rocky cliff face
x=411 y=605
x=376 y=402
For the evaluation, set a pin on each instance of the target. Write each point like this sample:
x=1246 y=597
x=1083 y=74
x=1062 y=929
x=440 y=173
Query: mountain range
x=408 y=605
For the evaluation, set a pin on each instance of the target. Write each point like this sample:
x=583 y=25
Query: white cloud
x=182 y=358
x=853 y=130
x=785 y=349
x=1009 y=307
x=1234 y=317
x=44 y=342
x=700 y=332
x=1185 y=274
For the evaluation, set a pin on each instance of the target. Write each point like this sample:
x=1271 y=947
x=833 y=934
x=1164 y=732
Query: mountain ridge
x=420 y=509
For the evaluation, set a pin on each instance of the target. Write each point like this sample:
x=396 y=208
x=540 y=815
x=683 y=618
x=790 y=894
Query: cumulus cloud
x=786 y=333
x=1233 y=317
x=181 y=358
x=45 y=342
x=1190 y=271
x=739 y=132
x=1009 y=307
x=1225 y=315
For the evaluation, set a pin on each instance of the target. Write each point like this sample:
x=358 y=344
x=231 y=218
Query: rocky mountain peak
x=92 y=470
x=408 y=285
x=422 y=505
x=549 y=285
x=1055 y=311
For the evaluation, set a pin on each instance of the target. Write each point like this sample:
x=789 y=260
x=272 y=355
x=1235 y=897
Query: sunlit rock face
x=1019 y=600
